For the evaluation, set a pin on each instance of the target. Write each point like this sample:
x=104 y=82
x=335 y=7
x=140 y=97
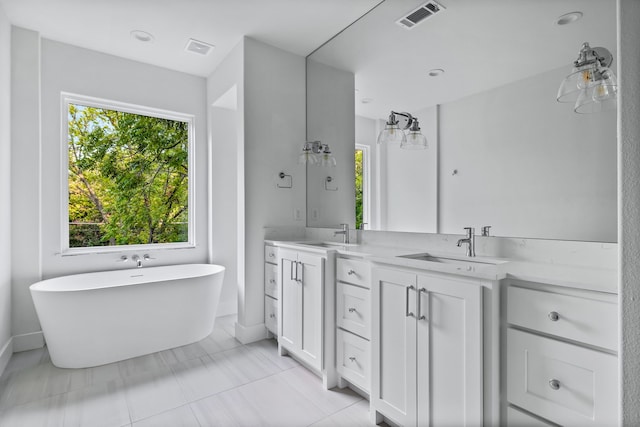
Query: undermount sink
x=446 y=260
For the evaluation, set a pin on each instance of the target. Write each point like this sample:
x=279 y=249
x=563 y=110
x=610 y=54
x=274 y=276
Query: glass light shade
x=328 y=160
x=391 y=134
x=307 y=157
x=415 y=140
x=586 y=103
x=571 y=86
x=607 y=88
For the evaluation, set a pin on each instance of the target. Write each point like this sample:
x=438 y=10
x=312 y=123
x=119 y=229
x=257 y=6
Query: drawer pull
x=554 y=384
x=351 y=272
x=352 y=359
x=272 y=281
x=272 y=316
x=352 y=309
x=554 y=316
x=272 y=255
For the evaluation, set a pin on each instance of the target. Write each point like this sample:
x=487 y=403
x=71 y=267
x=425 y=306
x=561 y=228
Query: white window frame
x=69 y=98
x=366 y=184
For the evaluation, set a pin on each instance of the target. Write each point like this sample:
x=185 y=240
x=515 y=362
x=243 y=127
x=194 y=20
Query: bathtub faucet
x=137 y=260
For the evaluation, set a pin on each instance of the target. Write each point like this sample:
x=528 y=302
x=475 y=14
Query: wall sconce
x=591 y=85
x=393 y=132
x=316 y=153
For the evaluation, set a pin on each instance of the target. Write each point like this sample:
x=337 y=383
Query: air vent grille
x=196 y=46
x=420 y=14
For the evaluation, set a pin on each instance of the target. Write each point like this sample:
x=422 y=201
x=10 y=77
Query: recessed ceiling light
x=569 y=18
x=142 y=36
x=197 y=46
x=366 y=100
x=436 y=72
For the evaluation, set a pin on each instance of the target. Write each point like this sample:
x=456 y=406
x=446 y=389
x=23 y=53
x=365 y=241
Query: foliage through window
x=128 y=177
x=359 y=188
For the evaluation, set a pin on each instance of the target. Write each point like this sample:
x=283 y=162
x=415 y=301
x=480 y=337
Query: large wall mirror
x=482 y=77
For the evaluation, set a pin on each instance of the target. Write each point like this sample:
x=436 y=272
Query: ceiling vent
x=198 y=47
x=419 y=15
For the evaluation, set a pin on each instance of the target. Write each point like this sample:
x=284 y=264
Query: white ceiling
x=480 y=44
x=297 y=26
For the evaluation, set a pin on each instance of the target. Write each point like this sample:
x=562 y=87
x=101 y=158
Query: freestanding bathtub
x=98 y=318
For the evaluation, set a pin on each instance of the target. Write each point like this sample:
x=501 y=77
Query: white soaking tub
x=98 y=318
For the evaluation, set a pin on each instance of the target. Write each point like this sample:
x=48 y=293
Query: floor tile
x=86 y=377
x=269 y=349
x=140 y=365
x=200 y=378
x=226 y=410
x=356 y=415
x=24 y=360
x=47 y=412
x=100 y=405
x=244 y=363
x=178 y=417
x=151 y=393
x=329 y=401
x=183 y=353
x=39 y=382
x=219 y=340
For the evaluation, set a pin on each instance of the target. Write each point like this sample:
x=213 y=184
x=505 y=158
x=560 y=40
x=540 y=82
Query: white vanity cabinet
x=353 y=321
x=271 y=288
x=301 y=305
x=427 y=348
x=561 y=360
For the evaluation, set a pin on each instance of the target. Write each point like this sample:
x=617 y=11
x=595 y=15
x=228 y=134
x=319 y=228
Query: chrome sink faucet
x=470 y=241
x=344 y=232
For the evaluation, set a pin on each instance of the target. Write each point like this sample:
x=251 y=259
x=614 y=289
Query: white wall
x=408 y=196
x=552 y=177
x=629 y=199
x=42 y=69
x=330 y=113
x=274 y=126
x=25 y=185
x=5 y=191
x=271 y=128
x=226 y=141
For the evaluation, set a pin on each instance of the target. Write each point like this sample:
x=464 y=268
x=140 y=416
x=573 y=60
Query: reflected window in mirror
x=362 y=172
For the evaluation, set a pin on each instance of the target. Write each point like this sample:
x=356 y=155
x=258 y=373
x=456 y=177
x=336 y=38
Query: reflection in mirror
x=502 y=151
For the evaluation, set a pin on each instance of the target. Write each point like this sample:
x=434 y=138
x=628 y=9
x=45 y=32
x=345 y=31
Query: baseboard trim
x=30 y=341
x=249 y=334
x=5 y=354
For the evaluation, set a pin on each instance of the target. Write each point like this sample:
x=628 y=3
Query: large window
x=128 y=176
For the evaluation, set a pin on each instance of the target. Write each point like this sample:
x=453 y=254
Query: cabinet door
x=310 y=277
x=290 y=304
x=449 y=330
x=393 y=345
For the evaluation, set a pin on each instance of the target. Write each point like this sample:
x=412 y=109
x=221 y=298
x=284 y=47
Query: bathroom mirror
x=482 y=77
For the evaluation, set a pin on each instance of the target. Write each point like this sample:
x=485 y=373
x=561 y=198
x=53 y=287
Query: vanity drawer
x=353 y=359
x=564 y=383
x=516 y=418
x=271 y=314
x=353 y=271
x=353 y=309
x=271 y=254
x=577 y=318
x=271 y=280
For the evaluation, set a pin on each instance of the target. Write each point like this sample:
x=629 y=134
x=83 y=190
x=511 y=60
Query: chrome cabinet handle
x=554 y=316
x=302 y=272
x=352 y=309
x=272 y=281
x=352 y=359
x=351 y=272
x=272 y=255
x=272 y=315
x=554 y=384
x=296 y=279
x=420 y=315
x=407 y=313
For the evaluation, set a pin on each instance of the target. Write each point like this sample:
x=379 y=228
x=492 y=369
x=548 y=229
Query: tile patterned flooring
x=214 y=382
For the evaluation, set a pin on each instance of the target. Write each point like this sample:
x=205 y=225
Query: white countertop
x=486 y=268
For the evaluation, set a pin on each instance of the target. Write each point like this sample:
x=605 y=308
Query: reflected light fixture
x=393 y=132
x=316 y=153
x=592 y=85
